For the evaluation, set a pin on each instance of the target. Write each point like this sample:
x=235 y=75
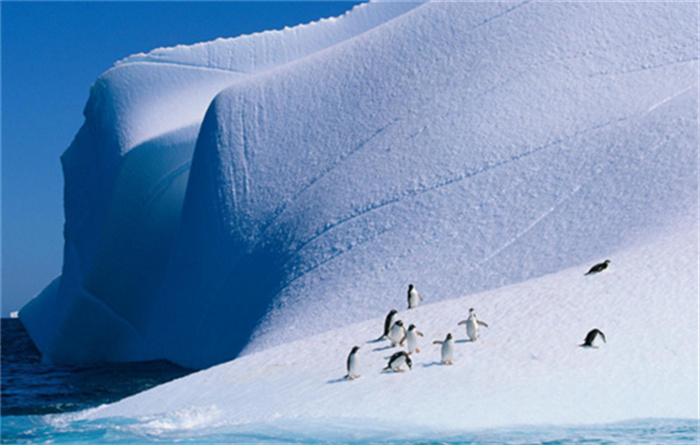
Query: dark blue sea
x=41 y=403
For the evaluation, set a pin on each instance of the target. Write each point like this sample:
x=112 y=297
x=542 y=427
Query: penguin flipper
x=419 y=333
x=483 y=324
x=462 y=322
x=437 y=342
x=599 y=332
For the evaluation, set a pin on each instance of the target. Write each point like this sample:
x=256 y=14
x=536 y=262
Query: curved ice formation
x=456 y=146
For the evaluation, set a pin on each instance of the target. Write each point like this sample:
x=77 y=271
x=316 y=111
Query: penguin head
x=449 y=336
x=410 y=287
x=412 y=327
x=354 y=349
x=393 y=312
x=471 y=310
x=409 y=362
x=607 y=262
x=399 y=322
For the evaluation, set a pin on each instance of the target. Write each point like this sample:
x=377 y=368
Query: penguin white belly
x=354 y=366
x=472 y=329
x=398 y=363
x=448 y=351
x=411 y=342
x=397 y=333
x=412 y=300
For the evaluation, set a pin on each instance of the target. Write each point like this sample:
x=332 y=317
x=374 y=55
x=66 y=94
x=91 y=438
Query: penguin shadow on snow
x=338 y=380
x=383 y=348
x=431 y=364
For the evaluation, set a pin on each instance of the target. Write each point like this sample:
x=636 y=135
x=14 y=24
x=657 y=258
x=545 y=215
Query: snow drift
x=526 y=368
x=219 y=202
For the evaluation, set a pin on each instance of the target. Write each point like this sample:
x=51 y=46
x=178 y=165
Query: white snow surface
x=225 y=199
x=527 y=368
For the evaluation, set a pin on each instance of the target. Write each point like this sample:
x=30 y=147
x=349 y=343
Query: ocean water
x=42 y=403
x=30 y=387
x=196 y=429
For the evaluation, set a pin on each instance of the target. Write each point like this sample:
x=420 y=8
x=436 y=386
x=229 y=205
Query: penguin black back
x=397 y=356
x=598 y=267
x=353 y=352
x=388 y=321
x=591 y=336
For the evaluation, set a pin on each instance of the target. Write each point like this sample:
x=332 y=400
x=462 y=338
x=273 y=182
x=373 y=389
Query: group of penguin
x=395 y=331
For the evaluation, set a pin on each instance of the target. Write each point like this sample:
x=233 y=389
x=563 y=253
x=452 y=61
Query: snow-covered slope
x=456 y=146
x=527 y=367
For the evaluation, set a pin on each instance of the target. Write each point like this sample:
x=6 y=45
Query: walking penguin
x=412 y=339
x=413 y=297
x=448 y=349
x=472 y=325
x=353 y=364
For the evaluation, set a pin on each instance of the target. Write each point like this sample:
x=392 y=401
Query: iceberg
x=228 y=198
x=526 y=369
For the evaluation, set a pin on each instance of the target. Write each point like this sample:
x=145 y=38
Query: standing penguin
x=591 y=337
x=397 y=361
x=413 y=297
x=472 y=325
x=598 y=268
x=448 y=349
x=388 y=323
x=412 y=339
x=353 y=364
x=397 y=334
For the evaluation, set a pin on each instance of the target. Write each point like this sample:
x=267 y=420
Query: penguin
x=397 y=334
x=412 y=339
x=413 y=297
x=448 y=349
x=388 y=323
x=591 y=337
x=598 y=268
x=472 y=325
x=353 y=364
x=397 y=360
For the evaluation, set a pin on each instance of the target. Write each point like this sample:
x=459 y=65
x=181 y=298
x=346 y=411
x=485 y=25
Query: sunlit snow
x=271 y=197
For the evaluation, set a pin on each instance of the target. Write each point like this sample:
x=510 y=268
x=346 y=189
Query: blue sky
x=51 y=54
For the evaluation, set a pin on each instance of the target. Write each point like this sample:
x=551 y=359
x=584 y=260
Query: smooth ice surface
x=284 y=185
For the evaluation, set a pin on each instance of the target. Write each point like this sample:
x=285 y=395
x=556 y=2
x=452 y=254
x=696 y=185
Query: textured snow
x=527 y=367
x=234 y=196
